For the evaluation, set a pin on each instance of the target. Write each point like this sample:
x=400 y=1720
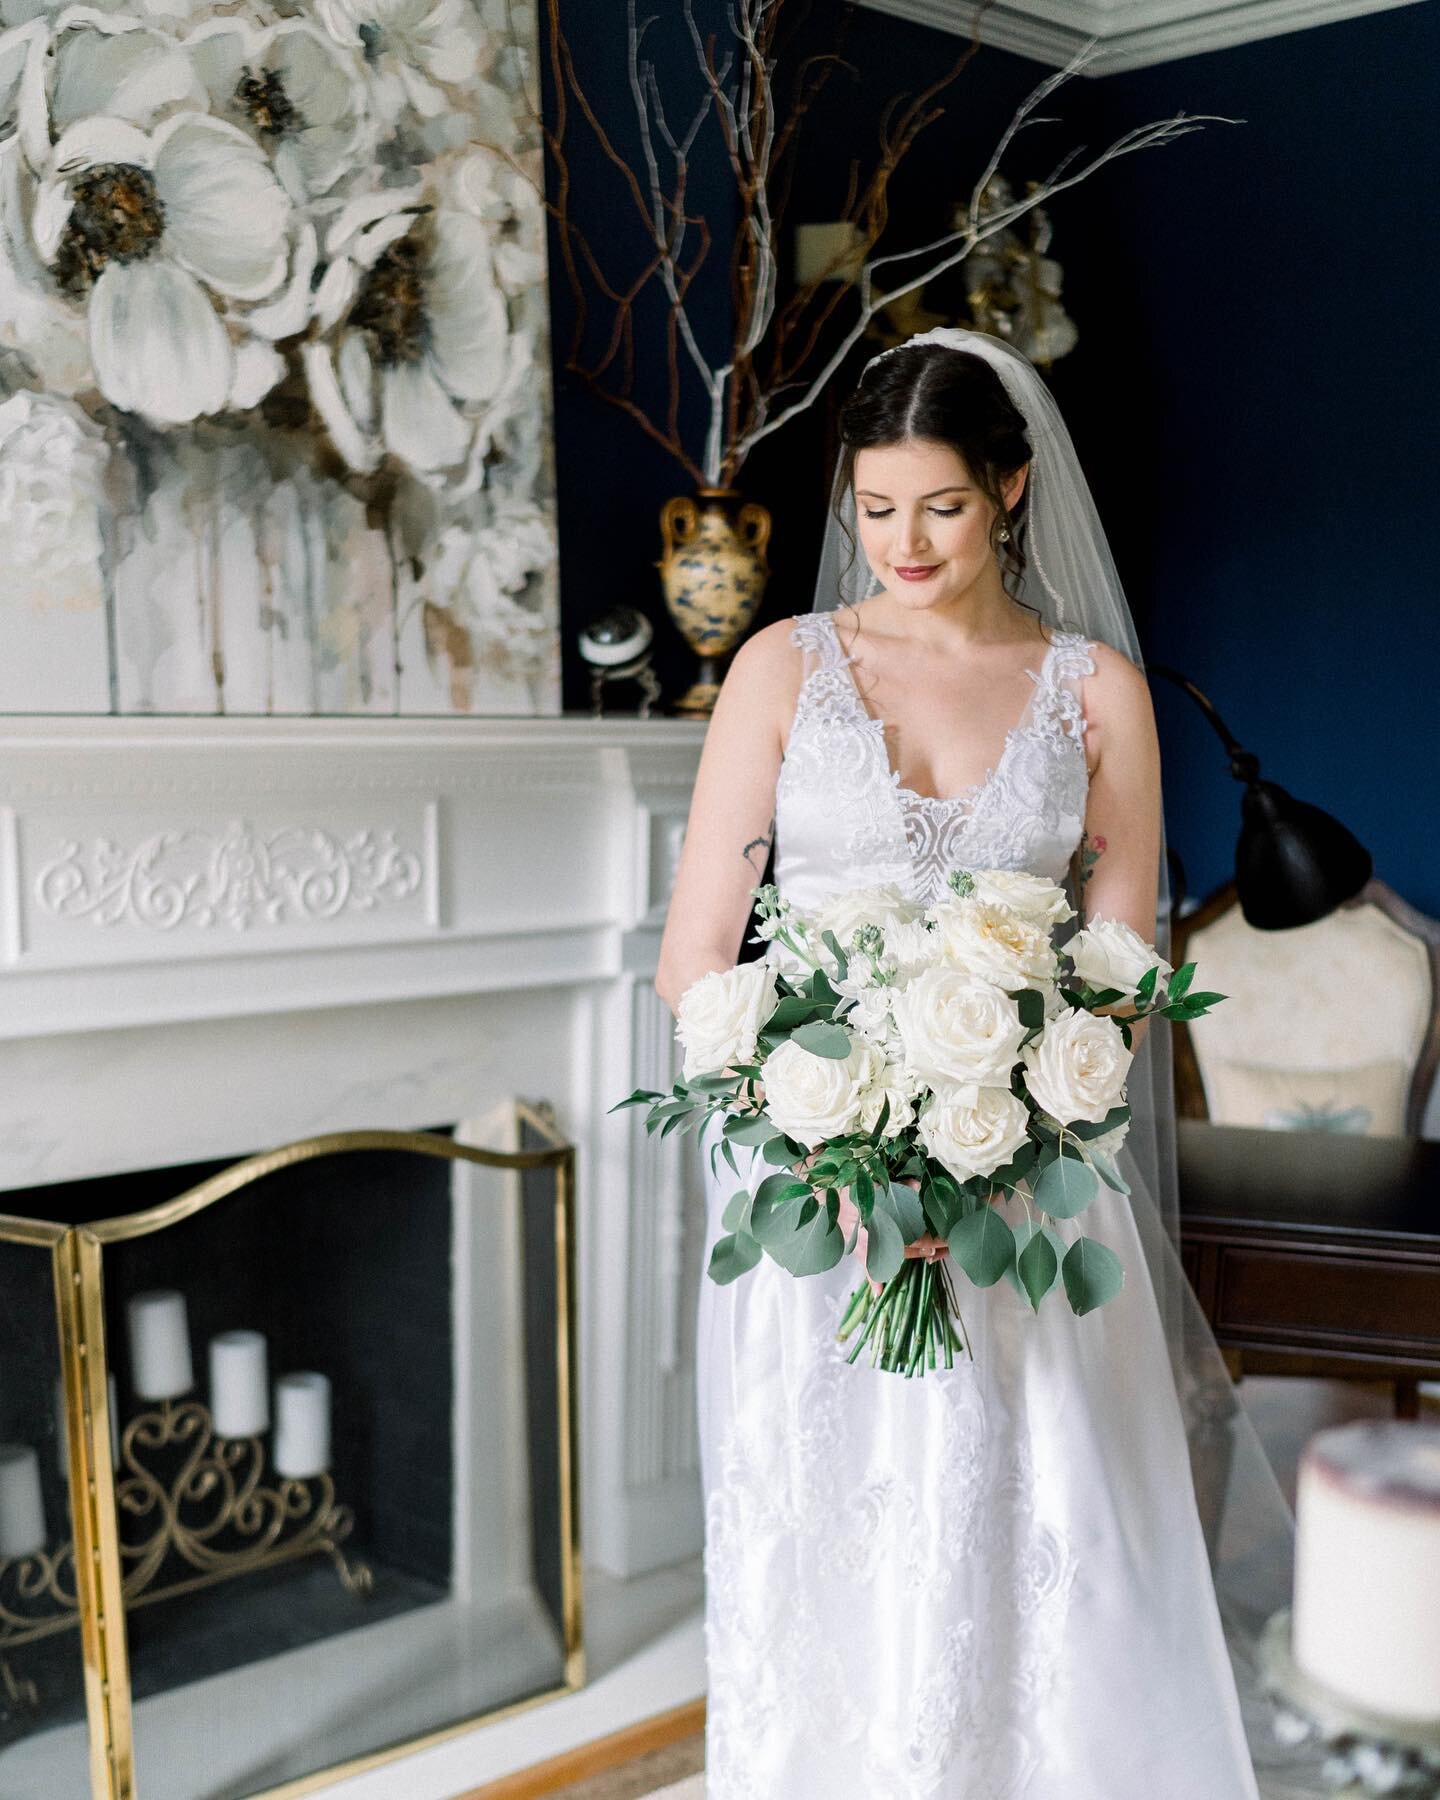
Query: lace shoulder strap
x=1070 y=661
x=815 y=633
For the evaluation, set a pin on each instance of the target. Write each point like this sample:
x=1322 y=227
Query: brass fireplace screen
x=472 y=1610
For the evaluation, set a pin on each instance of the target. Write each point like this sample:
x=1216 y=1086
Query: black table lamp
x=1293 y=863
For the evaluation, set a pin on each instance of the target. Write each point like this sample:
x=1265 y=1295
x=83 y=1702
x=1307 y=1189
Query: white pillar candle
x=160 y=1365
x=62 y=1434
x=302 y=1424
x=22 y=1512
x=239 y=1384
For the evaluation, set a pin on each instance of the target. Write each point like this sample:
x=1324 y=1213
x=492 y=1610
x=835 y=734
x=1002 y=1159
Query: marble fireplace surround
x=219 y=936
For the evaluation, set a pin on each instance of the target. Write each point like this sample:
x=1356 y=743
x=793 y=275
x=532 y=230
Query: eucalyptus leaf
x=732 y=1257
x=1088 y=1128
x=1092 y=1275
x=885 y=1250
x=1026 y=1231
x=1109 y=1171
x=816 y=1247
x=822 y=1039
x=735 y=1209
x=781 y=1152
x=780 y=1187
x=794 y=1011
x=904 y=1206
x=742 y=1129
x=1065 y=1188
x=1037 y=1265
x=729 y=1156
x=984 y=1246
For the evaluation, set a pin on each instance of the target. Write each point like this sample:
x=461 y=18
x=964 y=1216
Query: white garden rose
x=1034 y=897
x=973 y=1129
x=995 y=943
x=893 y=1086
x=845 y=913
x=812 y=1098
x=1077 y=1067
x=957 y=1027
x=1108 y=953
x=720 y=1015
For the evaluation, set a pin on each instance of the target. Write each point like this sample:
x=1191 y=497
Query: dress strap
x=816 y=635
x=1067 y=664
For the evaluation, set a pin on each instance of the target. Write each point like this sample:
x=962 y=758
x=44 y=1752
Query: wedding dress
x=989 y=1583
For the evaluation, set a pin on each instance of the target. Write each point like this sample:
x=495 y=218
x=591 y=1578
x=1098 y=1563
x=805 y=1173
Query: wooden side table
x=1315 y=1253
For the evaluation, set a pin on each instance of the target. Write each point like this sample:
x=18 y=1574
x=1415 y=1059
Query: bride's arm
x=1121 y=847
x=732 y=813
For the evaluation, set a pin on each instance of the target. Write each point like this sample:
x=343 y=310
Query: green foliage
x=1026 y=1232
x=1092 y=1275
x=1065 y=1188
x=815 y=1246
x=885 y=1249
x=732 y=1257
x=1038 y=1265
x=984 y=1246
x=822 y=1039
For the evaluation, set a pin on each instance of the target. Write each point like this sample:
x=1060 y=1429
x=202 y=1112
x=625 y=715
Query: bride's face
x=917 y=508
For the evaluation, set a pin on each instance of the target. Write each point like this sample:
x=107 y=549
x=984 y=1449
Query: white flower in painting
x=155 y=236
x=413 y=49
x=52 y=478
x=118 y=67
x=292 y=87
x=497 y=192
x=423 y=340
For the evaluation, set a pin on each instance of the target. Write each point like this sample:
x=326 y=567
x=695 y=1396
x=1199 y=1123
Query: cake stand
x=1370 y=1753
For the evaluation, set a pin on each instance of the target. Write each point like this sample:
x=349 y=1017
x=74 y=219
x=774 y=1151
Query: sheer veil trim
x=1072 y=580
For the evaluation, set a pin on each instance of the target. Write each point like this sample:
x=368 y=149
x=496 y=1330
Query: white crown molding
x=1131 y=34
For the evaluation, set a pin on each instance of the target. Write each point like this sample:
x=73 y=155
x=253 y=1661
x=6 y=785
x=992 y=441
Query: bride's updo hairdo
x=948 y=396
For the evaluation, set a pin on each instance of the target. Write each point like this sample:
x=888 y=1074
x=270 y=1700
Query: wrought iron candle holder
x=210 y=1519
x=1368 y=1753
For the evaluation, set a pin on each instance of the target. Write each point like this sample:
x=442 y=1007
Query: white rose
x=956 y=1027
x=995 y=943
x=893 y=1086
x=720 y=1015
x=845 y=913
x=973 y=1130
x=1108 y=953
x=812 y=1098
x=1077 y=1067
x=1034 y=897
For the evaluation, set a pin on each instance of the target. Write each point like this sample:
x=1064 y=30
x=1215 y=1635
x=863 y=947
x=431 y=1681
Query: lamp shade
x=1293 y=862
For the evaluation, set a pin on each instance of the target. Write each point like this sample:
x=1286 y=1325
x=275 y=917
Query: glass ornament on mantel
x=713 y=574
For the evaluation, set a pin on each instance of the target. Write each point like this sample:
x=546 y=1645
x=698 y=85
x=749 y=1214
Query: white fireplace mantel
x=218 y=936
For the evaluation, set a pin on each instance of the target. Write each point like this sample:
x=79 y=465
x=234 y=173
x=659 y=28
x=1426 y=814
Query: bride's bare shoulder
x=763 y=681
x=1116 y=703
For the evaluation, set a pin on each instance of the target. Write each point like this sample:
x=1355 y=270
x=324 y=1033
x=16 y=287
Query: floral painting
x=274 y=376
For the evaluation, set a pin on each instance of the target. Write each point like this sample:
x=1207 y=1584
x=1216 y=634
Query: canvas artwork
x=275 y=409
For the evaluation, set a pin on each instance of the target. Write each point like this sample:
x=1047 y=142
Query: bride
x=1041 y=1573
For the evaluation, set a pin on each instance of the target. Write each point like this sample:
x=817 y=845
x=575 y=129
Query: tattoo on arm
x=1091 y=850
x=757 y=851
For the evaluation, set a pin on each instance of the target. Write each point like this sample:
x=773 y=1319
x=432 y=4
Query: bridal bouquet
x=941 y=1063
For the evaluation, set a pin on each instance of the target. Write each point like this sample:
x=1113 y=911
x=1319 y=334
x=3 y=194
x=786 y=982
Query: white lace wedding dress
x=990 y=1582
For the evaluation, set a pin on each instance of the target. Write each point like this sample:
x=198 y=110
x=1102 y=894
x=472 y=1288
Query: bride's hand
x=926 y=1245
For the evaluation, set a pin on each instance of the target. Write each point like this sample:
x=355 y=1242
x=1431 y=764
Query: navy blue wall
x=1254 y=393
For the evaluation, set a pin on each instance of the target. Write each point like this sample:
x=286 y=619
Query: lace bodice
x=843 y=819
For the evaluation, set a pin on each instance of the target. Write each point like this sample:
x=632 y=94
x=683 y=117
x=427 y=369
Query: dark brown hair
x=947 y=396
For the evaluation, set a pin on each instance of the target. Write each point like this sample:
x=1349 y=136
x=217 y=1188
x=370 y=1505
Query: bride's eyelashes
x=940 y=512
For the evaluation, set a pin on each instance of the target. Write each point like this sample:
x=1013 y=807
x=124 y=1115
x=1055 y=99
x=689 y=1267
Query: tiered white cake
x=1366 y=1616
